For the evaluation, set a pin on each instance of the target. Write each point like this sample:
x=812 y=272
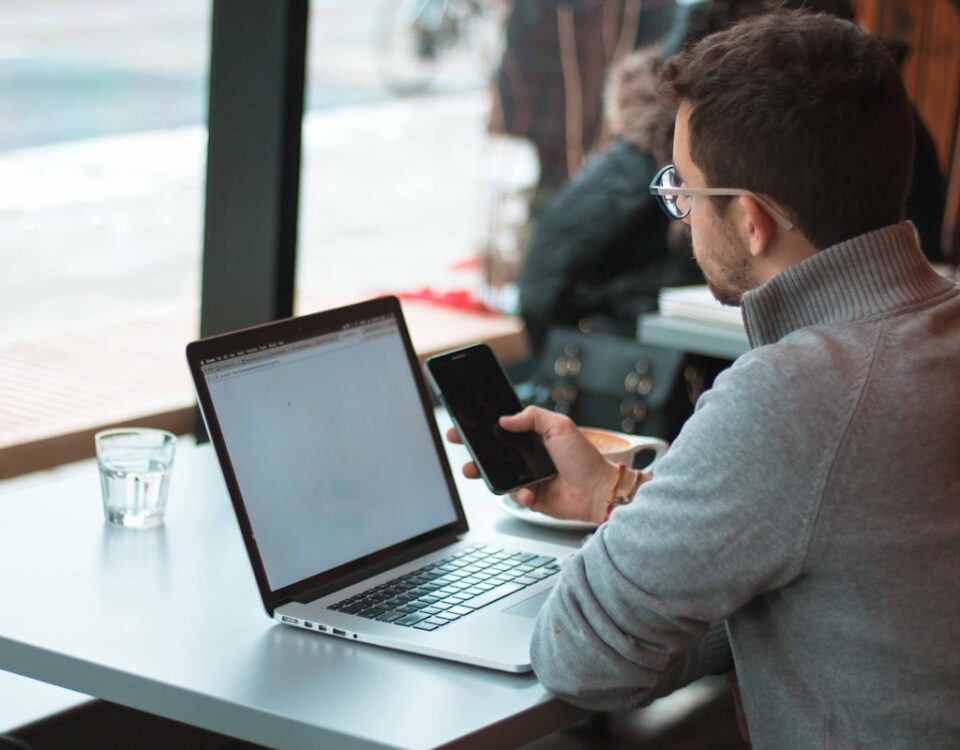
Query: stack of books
x=696 y=303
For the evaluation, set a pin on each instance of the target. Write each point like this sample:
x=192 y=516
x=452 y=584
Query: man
x=810 y=508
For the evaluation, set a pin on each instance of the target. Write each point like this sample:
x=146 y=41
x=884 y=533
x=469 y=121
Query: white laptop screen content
x=330 y=446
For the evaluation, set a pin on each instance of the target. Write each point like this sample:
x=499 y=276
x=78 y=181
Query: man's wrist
x=610 y=479
x=627 y=486
x=617 y=488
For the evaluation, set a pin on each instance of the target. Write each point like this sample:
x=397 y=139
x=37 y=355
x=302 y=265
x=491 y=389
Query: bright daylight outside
x=102 y=159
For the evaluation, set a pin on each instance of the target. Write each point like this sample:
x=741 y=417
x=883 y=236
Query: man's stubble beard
x=734 y=274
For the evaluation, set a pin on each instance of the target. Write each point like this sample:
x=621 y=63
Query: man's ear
x=760 y=228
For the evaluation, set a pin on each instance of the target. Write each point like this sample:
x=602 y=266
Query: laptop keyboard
x=451 y=588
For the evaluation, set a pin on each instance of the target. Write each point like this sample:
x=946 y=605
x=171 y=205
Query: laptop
x=324 y=430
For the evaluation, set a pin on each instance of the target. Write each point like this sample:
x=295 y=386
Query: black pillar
x=258 y=54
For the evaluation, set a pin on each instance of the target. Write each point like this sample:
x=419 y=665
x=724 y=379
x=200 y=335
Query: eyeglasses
x=675 y=199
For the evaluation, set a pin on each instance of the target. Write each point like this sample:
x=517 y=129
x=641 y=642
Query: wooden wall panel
x=951 y=225
x=931 y=74
x=931 y=71
x=868 y=14
x=938 y=98
x=908 y=21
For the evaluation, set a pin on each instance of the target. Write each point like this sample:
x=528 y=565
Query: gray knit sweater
x=812 y=502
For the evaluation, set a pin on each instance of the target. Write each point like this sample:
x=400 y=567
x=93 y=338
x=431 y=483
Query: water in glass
x=135 y=467
x=135 y=495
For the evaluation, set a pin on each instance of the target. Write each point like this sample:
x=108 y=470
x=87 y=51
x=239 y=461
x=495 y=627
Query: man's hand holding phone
x=538 y=456
x=476 y=392
x=584 y=480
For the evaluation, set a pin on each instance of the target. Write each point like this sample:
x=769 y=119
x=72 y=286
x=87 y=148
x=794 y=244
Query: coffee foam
x=604 y=442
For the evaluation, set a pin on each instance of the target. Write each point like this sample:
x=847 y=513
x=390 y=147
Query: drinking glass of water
x=135 y=465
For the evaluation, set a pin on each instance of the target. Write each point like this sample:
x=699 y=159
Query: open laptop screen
x=330 y=446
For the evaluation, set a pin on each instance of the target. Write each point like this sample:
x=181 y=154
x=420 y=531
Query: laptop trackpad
x=529 y=607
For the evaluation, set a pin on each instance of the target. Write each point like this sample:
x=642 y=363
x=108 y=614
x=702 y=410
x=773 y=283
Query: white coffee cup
x=620 y=446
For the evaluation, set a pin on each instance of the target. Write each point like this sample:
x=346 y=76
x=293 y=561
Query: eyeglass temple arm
x=783 y=222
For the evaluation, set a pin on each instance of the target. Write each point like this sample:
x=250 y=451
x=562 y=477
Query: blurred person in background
x=547 y=87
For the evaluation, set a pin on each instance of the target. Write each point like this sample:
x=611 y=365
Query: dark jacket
x=926 y=199
x=600 y=249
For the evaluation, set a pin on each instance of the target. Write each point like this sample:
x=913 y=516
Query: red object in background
x=468 y=264
x=462 y=299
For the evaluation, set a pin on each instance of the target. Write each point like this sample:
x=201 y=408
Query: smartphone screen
x=476 y=392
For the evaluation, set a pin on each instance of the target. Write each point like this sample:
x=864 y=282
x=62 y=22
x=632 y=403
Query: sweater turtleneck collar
x=864 y=277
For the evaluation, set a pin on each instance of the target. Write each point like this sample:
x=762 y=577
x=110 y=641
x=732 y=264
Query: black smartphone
x=476 y=392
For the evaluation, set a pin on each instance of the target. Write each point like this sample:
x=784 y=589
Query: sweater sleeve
x=727 y=516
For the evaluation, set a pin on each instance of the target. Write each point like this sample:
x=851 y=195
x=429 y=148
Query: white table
x=694 y=336
x=169 y=621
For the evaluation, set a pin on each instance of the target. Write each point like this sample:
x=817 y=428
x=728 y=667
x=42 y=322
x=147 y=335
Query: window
x=102 y=153
x=397 y=178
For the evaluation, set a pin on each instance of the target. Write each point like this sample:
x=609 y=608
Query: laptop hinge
x=381 y=565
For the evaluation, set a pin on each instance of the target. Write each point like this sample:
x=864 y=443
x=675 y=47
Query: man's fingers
x=531 y=419
x=470 y=468
x=523 y=421
x=525 y=496
x=534 y=419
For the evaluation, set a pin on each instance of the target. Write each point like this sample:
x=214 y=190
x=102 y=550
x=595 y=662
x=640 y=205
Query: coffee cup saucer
x=509 y=505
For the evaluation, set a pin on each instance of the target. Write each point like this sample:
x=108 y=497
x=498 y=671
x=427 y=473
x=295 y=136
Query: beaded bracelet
x=616 y=499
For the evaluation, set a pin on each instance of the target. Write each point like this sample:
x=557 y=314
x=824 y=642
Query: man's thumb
x=524 y=421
